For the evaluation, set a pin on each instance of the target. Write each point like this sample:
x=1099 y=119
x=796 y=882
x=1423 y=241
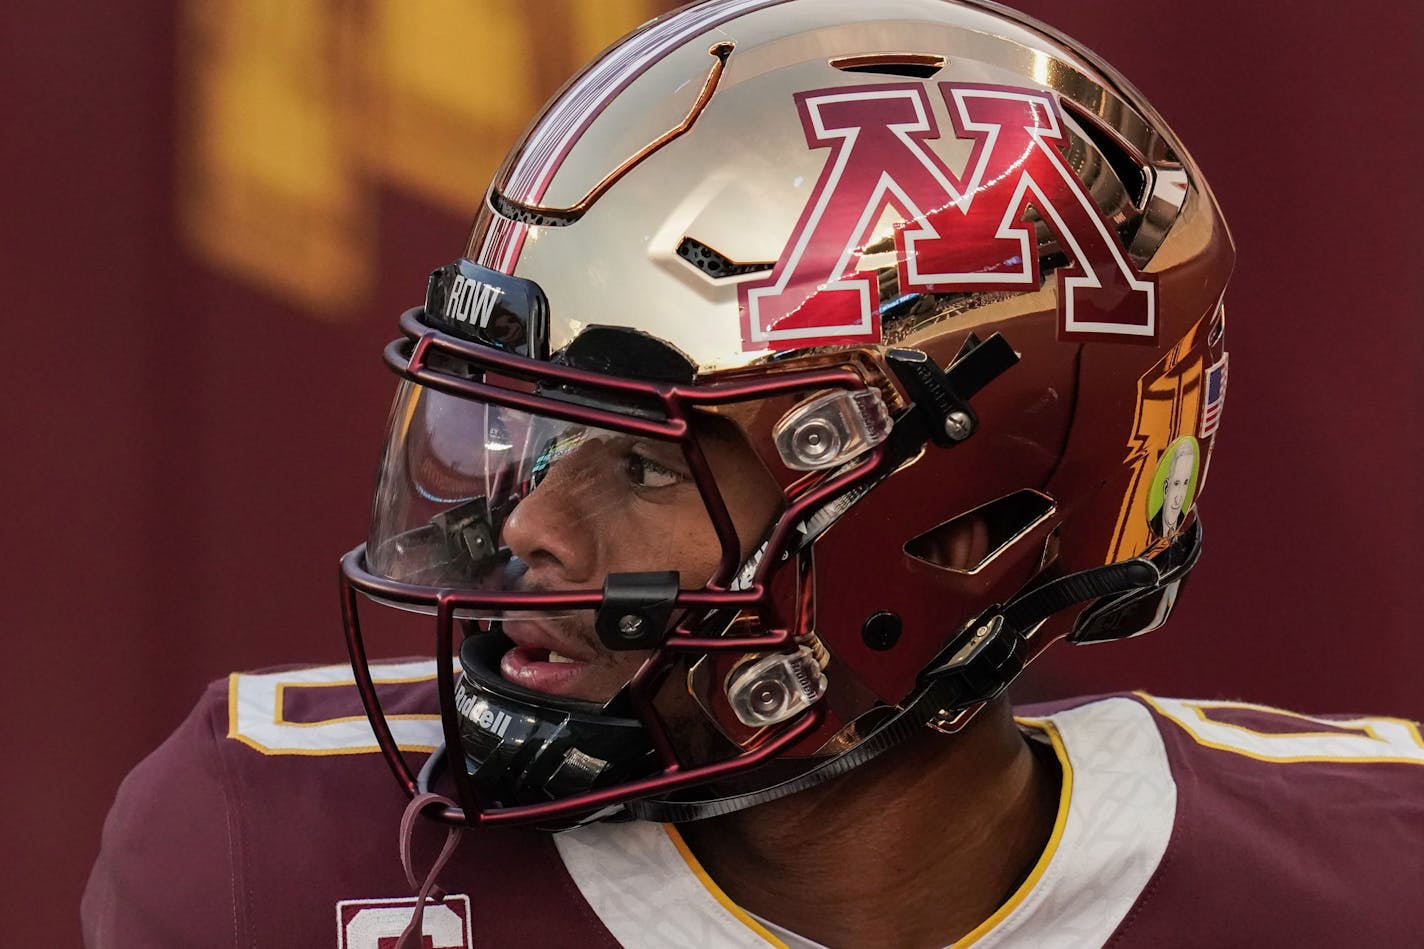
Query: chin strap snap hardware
x=981 y=662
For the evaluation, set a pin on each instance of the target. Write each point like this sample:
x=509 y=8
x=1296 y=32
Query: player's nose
x=553 y=531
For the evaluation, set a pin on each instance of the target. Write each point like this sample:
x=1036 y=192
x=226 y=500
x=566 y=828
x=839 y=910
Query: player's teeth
x=555 y=657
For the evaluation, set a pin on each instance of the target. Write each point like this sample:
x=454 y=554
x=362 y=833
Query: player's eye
x=644 y=471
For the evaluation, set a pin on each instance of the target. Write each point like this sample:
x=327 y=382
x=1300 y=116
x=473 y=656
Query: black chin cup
x=525 y=747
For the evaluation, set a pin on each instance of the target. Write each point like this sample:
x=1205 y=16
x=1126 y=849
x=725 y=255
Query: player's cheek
x=669 y=536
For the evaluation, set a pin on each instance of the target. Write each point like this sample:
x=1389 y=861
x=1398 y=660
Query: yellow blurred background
x=298 y=112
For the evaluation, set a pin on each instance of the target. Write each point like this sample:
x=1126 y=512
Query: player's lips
x=545 y=661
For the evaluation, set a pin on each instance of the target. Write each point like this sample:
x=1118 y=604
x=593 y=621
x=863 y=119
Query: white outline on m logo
x=957 y=232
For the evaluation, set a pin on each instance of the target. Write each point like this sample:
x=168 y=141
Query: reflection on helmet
x=807 y=373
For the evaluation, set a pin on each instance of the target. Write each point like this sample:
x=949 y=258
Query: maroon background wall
x=213 y=212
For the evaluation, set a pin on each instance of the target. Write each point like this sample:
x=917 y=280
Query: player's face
x=1174 y=490
x=620 y=504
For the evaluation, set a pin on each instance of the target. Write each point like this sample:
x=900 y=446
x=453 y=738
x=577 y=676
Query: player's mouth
x=547 y=661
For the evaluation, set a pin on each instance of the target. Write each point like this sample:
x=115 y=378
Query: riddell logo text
x=956 y=232
x=474 y=709
x=472 y=301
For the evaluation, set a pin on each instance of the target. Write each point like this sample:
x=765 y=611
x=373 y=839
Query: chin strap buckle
x=981 y=662
x=975 y=668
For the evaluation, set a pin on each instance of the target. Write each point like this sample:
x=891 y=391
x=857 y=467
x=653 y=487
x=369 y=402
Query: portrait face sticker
x=1174 y=486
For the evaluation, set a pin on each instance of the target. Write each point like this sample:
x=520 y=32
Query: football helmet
x=811 y=367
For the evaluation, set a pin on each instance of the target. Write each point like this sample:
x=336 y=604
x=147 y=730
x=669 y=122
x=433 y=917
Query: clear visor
x=479 y=498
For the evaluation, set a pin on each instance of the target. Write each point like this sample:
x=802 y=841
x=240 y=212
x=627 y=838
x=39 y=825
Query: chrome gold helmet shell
x=936 y=232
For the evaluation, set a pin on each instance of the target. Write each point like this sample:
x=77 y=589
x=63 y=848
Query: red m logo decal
x=956 y=232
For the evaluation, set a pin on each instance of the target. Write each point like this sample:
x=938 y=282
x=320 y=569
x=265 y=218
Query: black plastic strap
x=470 y=532
x=935 y=398
x=941 y=396
x=980 y=365
x=986 y=657
x=1112 y=579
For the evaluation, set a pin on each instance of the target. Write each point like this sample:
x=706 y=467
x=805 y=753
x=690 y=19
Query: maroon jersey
x=268 y=820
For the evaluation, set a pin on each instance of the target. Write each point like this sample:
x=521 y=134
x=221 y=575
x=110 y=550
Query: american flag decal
x=1215 y=396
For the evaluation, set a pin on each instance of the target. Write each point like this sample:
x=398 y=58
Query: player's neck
x=916 y=848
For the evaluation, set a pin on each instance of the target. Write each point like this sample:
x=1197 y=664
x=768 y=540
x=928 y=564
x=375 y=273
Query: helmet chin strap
x=974 y=669
x=523 y=747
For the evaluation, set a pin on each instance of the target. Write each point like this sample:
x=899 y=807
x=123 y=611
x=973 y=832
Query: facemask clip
x=471 y=533
x=636 y=608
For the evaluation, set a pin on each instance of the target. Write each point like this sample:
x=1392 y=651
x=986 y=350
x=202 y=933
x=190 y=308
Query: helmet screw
x=881 y=631
x=767 y=697
x=630 y=626
x=958 y=425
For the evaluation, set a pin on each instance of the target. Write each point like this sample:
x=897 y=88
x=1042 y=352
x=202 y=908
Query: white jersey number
x=370 y=924
x=1297 y=737
x=256 y=706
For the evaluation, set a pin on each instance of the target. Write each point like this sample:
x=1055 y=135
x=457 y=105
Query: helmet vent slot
x=714 y=264
x=1130 y=169
x=533 y=217
x=970 y=542
x=910 y=65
